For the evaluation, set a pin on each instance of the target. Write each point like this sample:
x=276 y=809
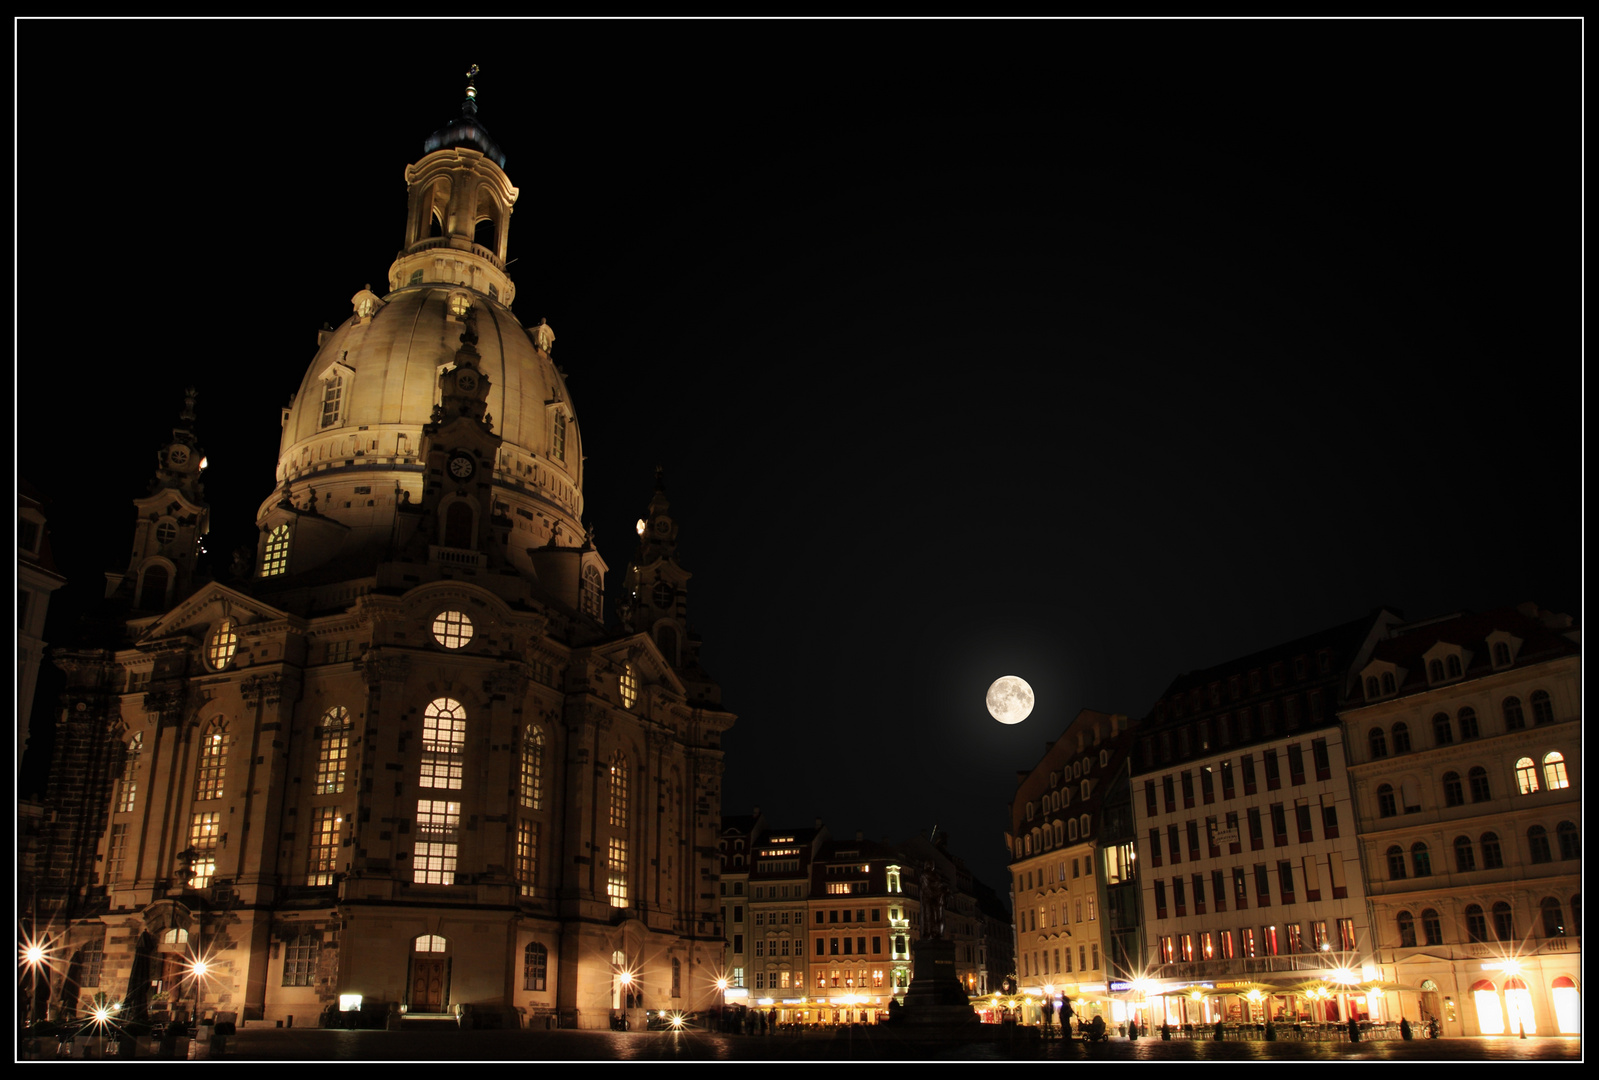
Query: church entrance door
x=427 y=985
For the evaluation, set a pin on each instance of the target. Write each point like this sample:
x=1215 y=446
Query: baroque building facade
x=400 y=761
x=1465 y=736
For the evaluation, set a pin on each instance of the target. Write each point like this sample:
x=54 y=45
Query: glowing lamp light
x=639 y=528
x=34 y=954
x=721 y=984
x=200 y=967
x=1344 y=976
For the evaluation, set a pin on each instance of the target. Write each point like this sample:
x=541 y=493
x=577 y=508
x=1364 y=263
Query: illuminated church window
x=629 y=686
x=527 y=855
x=213 y=762
x=533 y=767
x=437 y=825
x=618 y=817
x=443 y=744
x=333 y=753
x=452 y=629
x=219 y=649
x=275 y=559
x=460 y=304
x=325 y=821
x=616 y=872
x=128 y=788
x=204 y=828
x=300 y=956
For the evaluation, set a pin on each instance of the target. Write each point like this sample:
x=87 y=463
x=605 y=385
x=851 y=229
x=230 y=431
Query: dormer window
x=558 y=437
x=336 y=379
x=1387 y=682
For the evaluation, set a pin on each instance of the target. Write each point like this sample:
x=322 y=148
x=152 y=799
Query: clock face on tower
x=462 y=467
x=177 y=455
x=466 y=382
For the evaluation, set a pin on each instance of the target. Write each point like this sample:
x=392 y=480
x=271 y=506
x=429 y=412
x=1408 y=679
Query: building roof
x=1544 y=635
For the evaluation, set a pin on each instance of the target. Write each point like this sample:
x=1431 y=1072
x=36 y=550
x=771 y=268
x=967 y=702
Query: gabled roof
x=1544 y=636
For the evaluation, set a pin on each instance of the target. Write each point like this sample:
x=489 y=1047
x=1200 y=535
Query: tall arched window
x=1465 y=856
x=1570 y=844
x=1454 y=790
x=1501 y=654
x=1432 y=927
x=332 y=399
x=1387 y=682
x=1512 y=710
x=1526 y=776
x=213 y=761
x=333 y=750
x=275 y=558
x=128 y=787
x=1421 y=859
x=443 y=744
x=1401 y=738
x=1477 y=779
x=1379 y=743
x=1504 y=923
x=1442 y=732
x=1476 y=924
x=535 y=966
x=1452 y=664
x=1468 y=723
x=1396 y=863
x=1371 y=686
x=1435 y=670
x=1407 y=929
x=153 y=587
x=1492 y=857
x=591 y=592
x=1554 y=771
x=532 y=785
x=1538 y=844
x=1387 y=805
x=1543 y=710
x=1554 y=919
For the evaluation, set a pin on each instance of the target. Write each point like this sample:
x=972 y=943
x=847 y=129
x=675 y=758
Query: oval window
x=452 y=629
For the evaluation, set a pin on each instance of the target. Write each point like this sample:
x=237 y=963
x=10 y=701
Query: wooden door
x=427 y=985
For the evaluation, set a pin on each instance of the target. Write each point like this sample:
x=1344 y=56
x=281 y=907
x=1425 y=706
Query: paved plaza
x=844 y=1044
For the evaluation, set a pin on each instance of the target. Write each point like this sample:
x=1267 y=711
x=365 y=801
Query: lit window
x=300 y=956
x=213 y=762
x=616 y=873
x=1554 y=770
x=333 y=753
x=275 y=559
x=437 y=824
x=452 y=629
x=460 y=304
x=429 y=943
x=1526 y=776
x=204 y=828
x=128 y=789
x=325 y=821
x=221 y=646
x=443 y=742
x=618 y=791
x=629 y=685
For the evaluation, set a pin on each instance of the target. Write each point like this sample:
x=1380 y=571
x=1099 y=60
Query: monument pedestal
x=935 y=997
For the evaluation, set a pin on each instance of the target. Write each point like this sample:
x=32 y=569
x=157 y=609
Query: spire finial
x=189 y=395
x=469 y=106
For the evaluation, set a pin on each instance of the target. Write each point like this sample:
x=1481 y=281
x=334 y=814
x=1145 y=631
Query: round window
x=222 y=644
x=167 y=531
x=452 y=629
x=663 y=595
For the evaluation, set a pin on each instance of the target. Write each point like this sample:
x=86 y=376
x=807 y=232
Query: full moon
x=1010 y=699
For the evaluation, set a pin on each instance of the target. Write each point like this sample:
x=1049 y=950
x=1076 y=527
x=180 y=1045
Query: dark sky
x=1092 y=352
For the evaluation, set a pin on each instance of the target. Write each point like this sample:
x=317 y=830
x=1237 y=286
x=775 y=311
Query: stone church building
x=399 y=761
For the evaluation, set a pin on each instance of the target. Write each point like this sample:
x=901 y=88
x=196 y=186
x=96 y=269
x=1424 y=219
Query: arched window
x=1379 y=743
x=1432 y=927
x=429 y=943
x=1387 y=805
x=1443 y=732
x=1504 y=923
x=628 y=685
x=1082 y=826
x=332 y=399
x=1407 y=929
x=1071 y=830
x=443 y=744
x=591 y=592
x=128 y=787
x=1465 y=856
x=213 y=761
x=1396 y=863
x=1477 y=779
x=532 y=781
x=1454 y=790
x=1371 y=686
x=1387 y=682
x=153 y=587
x=1554 y=921
x=1526 y=776
x=1492 y=857
x=1501 y=654
x=1538 y=844
x=1513 y=717
x=275 y=559
x=535 y=966
x=618 y=816
x=1401 y=738
x=1468 y=723
x=558 y=436
x=1570 y=844
x=1452 y=663
x=1421 y=859
x=1543 y=710
x=1435 y=670
x=1476 y=924
x=333 y=750
x=1554 y=770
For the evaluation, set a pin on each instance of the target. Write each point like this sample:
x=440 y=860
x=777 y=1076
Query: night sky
x=1091 y=352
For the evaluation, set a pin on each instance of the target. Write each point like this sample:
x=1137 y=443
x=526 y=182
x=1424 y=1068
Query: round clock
x=466 y=382
x=177 y=454
x=662 y=525
x=462 y=467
